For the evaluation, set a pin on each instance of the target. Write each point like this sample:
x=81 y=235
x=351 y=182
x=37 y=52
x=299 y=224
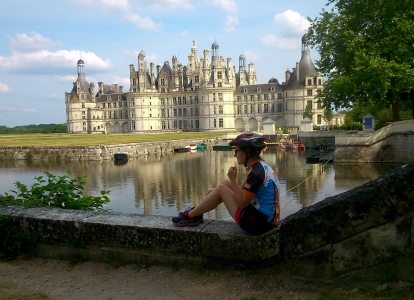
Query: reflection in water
x=165 y=185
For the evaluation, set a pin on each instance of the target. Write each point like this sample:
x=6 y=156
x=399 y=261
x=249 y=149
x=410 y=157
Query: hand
x=232 y=173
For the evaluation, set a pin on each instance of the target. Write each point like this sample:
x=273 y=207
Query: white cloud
x=4 y=88
x=28 y=109
x=66 y=78
x=140 y=22
x=227 y=5
x=122 y=81
x=170 y=4
x=23 y=42
x=47 y=62
x=251 y=56
x=230 y=23
x=7 y=108
x=291 y=23
x=279 y=43
x=122 y=5
x=125 y=8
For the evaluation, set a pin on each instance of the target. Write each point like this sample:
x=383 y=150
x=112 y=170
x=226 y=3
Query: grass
x=67 y=140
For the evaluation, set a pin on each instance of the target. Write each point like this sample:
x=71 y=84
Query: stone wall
x=365 y=232
x=393 y=143
x=102 y=152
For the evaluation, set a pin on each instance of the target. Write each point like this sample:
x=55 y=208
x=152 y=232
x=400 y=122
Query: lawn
x=26 y=140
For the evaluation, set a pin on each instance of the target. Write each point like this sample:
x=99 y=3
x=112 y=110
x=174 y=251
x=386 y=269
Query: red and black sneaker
x=184 y=220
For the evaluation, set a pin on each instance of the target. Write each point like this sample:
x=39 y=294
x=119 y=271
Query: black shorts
x=252 y=220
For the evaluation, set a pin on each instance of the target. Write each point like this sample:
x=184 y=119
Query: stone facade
x=205 y=95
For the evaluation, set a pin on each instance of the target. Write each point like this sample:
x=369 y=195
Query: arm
x=243 y=200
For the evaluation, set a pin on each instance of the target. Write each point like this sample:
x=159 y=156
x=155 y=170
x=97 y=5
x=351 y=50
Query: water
x=166 y=185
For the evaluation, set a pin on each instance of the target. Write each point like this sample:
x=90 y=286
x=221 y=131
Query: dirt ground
x=46 y=279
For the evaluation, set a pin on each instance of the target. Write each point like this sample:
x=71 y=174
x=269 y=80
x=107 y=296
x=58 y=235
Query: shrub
x=55 y=191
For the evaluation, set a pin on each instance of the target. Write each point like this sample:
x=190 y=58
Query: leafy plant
x=55 y=191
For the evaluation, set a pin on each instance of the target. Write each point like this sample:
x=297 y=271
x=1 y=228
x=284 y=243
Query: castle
x=205 y=95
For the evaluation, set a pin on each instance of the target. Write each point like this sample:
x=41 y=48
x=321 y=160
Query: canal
x=173 y=182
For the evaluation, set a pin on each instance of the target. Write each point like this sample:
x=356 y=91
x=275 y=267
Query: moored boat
x=179 y=150
x=222 y=147
x=120 y=155
x=191 y=146
x=313 y=159
x=202 y=146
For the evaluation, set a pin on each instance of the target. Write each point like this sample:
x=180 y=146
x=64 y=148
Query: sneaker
x=184 y=220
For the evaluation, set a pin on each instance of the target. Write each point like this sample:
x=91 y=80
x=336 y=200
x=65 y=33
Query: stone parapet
x=96 y=153
x=367 y=230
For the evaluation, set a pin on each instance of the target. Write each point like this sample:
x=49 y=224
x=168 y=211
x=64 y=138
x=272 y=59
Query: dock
x=327 y=157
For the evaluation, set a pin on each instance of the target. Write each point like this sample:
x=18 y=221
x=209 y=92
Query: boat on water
x=313 y=159
x=180 y=150
x=202 y=146
x=120 y=156
x=222 y=148
x=191 y=146
x=315 y=146
x=300 y=147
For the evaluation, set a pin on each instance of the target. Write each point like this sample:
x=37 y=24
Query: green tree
x=367 y=53
x=308 y=113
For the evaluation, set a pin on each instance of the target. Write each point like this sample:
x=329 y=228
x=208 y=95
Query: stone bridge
x=365 y=232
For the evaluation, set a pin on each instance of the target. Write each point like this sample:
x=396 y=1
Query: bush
x=55 y=191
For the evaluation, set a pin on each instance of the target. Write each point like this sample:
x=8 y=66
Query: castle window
x=221 y=123
x=214 y=123
x=258 y=97
x=309 y=92
x=219 y=84
x=266 y=108
x=245 y=97
x=279 y=107
x=83 y=105
x=132 y=102
x=214 y=109
x=174 y=101
x=184 y=112
x=221 y=109
x=238 y=98
x=252 y=109
x=309 y=81
x=185 y=100
x=245 y=109
x=114 y=104
x=319 y=104
x=179 y=100
x=214 y=96
x=220 y=96
x=239 y=109
x=258 y=108
x=133 y=125
x=266 y=97
x=319 y=81
x=196 y=79
x=309 y=105
x=279 y=96
x=219 y=75
x=251 y=97
x=319 y=119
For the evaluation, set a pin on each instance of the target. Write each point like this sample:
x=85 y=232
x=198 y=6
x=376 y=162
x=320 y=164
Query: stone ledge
x=212 y=239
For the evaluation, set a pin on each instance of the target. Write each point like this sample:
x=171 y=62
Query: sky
x=41 y=42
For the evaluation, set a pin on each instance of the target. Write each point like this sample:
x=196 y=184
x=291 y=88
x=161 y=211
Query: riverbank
x=47 y=279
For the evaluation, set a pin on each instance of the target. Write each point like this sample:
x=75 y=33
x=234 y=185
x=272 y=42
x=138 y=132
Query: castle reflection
x=173 y=182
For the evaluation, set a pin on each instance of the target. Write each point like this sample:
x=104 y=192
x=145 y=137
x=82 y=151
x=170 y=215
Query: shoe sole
x=186 y=224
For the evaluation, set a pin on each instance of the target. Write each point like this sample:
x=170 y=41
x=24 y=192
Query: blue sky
x=41 y=42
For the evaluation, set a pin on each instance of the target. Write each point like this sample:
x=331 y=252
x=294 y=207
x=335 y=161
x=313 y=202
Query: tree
x=367 y=53
x=308 y=113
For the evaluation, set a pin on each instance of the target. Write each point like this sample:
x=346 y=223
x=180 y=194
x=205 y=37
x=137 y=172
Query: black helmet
x=249 y=140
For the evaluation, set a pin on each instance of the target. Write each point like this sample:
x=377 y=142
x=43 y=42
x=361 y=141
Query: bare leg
x=222 y=193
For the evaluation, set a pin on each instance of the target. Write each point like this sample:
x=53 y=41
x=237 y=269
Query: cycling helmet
x=252 y=144
x=249 y=140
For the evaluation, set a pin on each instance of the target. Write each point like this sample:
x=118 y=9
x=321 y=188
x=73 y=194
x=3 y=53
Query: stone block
x=379 y=201
x=141 y=231
x=372 y=247
x=226 y=240
x=313 y=264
